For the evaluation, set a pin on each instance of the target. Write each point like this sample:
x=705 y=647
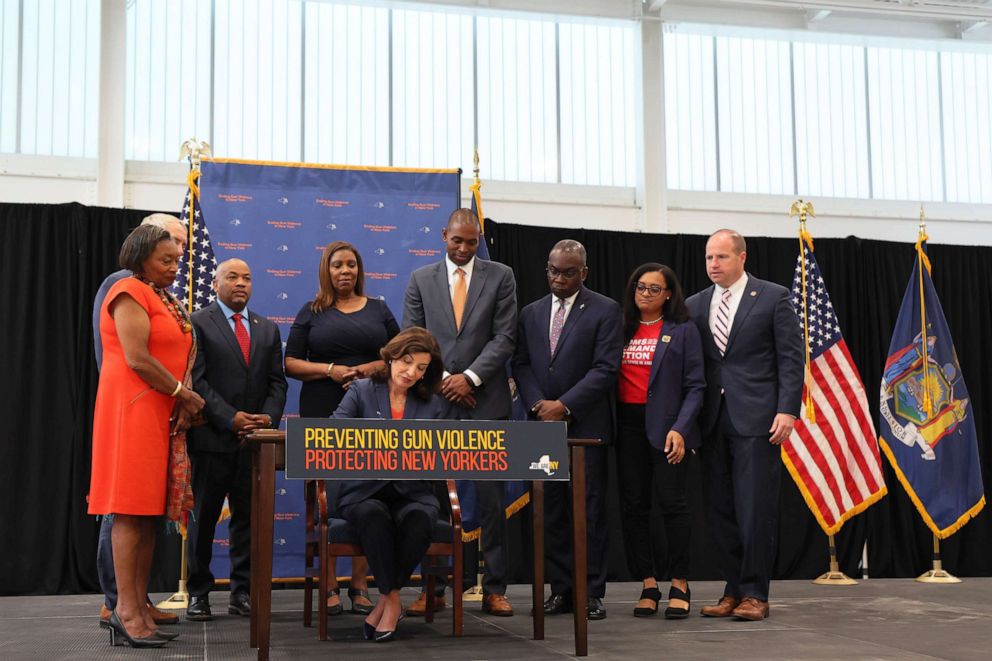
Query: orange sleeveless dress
x=131 y=420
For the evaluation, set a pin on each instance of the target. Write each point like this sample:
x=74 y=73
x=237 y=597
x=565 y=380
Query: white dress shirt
x=451 y=267
x=736 y=295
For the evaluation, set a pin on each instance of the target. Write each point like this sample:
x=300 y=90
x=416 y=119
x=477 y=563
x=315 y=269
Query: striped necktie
x=721 y=329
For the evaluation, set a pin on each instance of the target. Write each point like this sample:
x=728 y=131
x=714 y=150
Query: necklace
x=171 y=304
x=652 y=323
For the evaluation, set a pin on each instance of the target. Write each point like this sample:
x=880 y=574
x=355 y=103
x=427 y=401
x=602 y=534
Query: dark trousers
x=741 y=476
x=558 y=529
x=216 y=475
x=654 y=507
x=105 y=563
x=394 y=532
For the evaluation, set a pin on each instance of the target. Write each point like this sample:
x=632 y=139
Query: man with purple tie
x=567 y=358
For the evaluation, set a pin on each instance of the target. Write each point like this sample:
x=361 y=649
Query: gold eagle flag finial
x=194 y=150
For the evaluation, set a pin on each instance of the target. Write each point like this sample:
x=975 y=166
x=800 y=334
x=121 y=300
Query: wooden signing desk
x=268 y=455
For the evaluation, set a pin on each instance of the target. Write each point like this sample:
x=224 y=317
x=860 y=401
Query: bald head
x=566 y=268
x=726 y=252
x=170 y=224
x=232 y=283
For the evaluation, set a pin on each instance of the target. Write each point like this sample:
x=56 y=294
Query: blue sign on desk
x=352 y=449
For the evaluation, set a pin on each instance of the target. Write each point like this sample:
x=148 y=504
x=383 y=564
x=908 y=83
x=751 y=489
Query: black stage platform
x=878 y=619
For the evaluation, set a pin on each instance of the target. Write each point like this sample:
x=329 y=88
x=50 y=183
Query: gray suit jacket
x=486 y=339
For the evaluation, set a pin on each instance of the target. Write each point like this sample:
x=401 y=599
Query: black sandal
x=336 y=609
x=360 y=609
x=654 y=594
x=672 y=613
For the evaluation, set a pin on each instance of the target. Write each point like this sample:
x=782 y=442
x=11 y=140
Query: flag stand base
x=179 y=600
x=937 y=575
x=474 y=593
x=834 y=578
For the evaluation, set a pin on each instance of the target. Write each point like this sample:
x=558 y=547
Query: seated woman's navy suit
x=394 y=519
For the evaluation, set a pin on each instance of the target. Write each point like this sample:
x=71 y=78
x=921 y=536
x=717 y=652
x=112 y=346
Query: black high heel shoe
x=368 y=631
x=166 y=635
x=117 y=629
x=360 y=609
x=672 y=613
x=384 y=636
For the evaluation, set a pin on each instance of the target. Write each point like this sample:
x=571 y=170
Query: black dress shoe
x=595 y=609
x=240 y=604
x=199 y=609
x=557 y=604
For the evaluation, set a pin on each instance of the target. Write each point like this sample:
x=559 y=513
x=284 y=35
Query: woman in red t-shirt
x=660 y=393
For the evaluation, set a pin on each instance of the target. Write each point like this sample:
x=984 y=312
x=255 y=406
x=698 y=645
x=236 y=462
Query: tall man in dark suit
x=238 y=371
x=470 y=306
x=754 y=377
x=566 y=363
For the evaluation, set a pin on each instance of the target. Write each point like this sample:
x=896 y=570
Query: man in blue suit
x=566 y=362
x=754 y=376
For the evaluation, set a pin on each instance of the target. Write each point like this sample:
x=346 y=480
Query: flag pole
x=476 y=593
x=805 y=209
x=937 y=574
x=192 y=151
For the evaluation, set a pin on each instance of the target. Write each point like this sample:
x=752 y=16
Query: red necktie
x=242 y=334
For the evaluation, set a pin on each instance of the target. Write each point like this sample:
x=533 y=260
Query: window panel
x=831 y=122
x=905 y=124
x=755 y=115
x=60 y=49
x=516 y=99
x=690 y=112
x=967 y=96
x=347 y=84
x=597 y=104
x=433 y=81
x=256 y=105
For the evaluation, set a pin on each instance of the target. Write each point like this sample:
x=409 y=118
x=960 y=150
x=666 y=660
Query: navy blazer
x=676 y=386
x=228 y=384
x=582 y=373
x=366 y=398
x=761 y=372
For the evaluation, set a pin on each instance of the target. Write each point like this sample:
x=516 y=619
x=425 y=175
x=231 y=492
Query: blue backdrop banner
x=278 y=217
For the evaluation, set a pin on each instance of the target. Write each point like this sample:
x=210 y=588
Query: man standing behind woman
x=334 y=340
x=660 y=395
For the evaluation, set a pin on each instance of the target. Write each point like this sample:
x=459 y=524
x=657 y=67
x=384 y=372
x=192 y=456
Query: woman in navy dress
x=334 y=340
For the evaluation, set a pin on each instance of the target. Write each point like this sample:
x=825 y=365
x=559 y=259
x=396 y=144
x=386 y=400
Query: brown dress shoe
x=724 y=608
x=751 y=609
x=163 y=617
x=497 y=604
x=419 y=607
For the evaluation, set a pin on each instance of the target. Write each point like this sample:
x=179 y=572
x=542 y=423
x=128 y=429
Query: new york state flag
x=927 y=425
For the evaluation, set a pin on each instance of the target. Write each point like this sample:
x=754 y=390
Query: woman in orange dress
x=143 y=407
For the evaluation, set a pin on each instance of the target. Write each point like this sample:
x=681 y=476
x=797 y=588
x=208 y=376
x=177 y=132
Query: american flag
x=202 y=254
x=833 y=454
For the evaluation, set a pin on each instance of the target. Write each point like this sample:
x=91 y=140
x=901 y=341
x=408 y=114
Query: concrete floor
x=877 y=619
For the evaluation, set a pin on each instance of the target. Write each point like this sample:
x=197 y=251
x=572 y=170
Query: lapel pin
x=582 y=307
x=666 y=338
x=754 y=293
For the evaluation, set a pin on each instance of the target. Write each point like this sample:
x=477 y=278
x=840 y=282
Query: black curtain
x=54 y=257
x=52 y=260
x=866 y=281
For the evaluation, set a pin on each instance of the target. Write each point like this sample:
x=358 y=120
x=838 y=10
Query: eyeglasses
x=651 y=290
x=569 y=274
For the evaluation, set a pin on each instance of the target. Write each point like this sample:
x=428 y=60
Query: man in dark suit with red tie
x=238 y=372
x=753 y=353
x=568 y=353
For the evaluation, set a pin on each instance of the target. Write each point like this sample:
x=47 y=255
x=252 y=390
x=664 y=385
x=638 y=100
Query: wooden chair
x=328 y=537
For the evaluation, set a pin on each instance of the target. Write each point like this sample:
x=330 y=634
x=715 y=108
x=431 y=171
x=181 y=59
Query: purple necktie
x=556 y=324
